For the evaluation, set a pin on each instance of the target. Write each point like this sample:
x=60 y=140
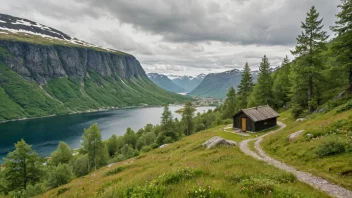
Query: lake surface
x=44 y=134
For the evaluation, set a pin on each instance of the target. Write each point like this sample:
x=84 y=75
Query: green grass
x=21 y=98
x=24 y=99
x=185 y=169
x=324 y=149
x=22 y=37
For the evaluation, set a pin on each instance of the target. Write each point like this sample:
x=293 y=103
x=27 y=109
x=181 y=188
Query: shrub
x=33 y=190
x=345 y=107
x=146 y=149
x=60 y=175
x=136 y=191
x=178 y=176
x=331 y=147
x=205 y=192
x=297 y=110
x=80 y=165
x=115 y=171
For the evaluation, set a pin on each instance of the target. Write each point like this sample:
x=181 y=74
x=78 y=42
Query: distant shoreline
x=81 y=112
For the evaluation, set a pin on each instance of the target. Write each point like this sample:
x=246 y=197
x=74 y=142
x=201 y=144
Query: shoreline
x=82 y=112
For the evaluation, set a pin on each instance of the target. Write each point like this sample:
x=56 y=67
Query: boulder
x=300 y=119
x=295 y=135
x=216 y=141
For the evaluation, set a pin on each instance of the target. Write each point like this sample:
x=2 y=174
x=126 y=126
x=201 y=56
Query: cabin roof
x=259 y=113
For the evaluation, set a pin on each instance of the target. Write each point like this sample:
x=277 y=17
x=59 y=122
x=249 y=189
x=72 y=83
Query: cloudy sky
x=181 y=36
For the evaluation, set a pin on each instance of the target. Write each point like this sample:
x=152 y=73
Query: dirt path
x=317 y=182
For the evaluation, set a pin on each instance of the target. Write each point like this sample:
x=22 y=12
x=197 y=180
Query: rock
x=163 y=146
x=42 y=63
x=300 y=119
x=216 y=141
x=294 y=135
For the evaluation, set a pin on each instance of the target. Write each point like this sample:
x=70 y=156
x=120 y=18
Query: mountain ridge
x=43 y=75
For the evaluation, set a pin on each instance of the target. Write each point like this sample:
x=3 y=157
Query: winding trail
x=317 y=182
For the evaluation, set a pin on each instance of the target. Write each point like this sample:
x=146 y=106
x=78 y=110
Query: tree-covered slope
x=217 y=85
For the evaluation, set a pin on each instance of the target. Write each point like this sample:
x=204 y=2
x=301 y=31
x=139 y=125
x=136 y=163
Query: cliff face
x=44 y=71
x=42 y=63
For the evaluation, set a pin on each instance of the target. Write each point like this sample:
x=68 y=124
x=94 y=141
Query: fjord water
x=44 y=134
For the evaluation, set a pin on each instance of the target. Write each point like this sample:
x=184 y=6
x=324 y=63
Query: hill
x=216 y=85
x=187 y=169
x=321 y=144
x=188 y=82
x=165 y=83
x=46 y=72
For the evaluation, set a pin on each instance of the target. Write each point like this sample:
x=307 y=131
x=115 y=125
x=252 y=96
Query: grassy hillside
x=186 y=169
x=324 y=148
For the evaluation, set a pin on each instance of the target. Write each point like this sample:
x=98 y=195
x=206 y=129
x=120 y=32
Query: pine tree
x=230 y=104
x=342 y=46
x=93 y=145
x=281 y=84
x=187 y=118
x=308 y=48
x=245 y=87
x=168 y=133
x=262 y=91
x=23 y=166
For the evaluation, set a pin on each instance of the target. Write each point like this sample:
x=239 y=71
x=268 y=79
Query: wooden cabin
x=255 y=119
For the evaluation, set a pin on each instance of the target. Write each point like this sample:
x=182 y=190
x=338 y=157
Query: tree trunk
x=310 y=94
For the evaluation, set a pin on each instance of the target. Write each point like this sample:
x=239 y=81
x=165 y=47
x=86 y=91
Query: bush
x=132 y=190
x=80 y=165
x=178 y=176
x=60 y=175
x=330 y=147
x=115 y=171
x=297 y=110
x=146 y=149
x=345 y=107
x=33 y=190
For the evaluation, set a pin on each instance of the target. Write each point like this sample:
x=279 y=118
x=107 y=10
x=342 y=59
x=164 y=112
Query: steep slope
x=44 y=72
x=165 y=83
x=188 y=82
x=216 y=85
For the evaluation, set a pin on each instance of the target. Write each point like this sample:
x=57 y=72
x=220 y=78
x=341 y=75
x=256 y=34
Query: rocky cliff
x=45 y=72
x=42 y=63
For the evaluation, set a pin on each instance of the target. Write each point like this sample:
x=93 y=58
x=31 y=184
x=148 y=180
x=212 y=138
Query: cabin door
x=244 y=124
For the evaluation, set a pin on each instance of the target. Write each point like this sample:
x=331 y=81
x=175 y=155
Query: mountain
x=187 y=82
x=165 y=83
x=46 y=72
x=216 y=85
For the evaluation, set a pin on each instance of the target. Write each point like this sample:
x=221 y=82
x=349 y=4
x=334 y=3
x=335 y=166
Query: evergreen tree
x=245 y=87
x=342 y=46
x=23 y=166
x=262 y=91
x=281 y=84
x=230 y=104
x=112 y=145
x=308 y=48
x=168 y=133
x=187 y=118
x=93 y=145
x=63 y=154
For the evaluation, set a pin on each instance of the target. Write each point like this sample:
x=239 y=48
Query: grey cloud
x=255 y=22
